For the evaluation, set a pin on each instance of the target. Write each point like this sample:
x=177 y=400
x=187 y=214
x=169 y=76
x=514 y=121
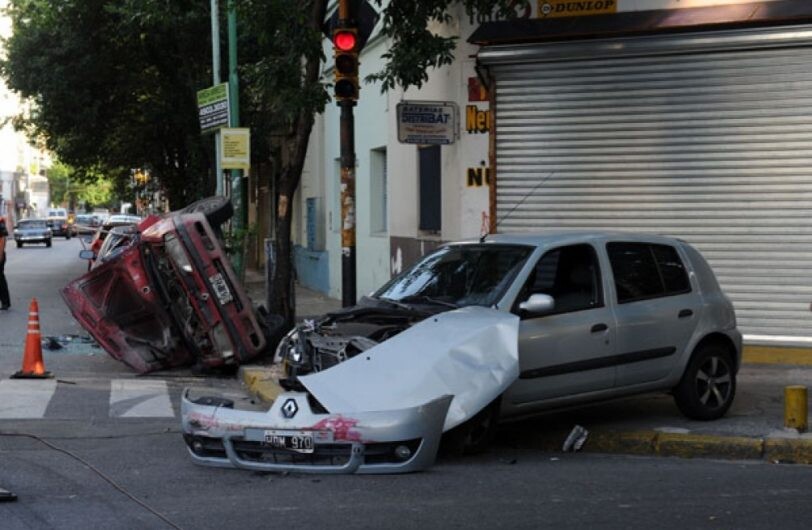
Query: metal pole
x=215 y=74
x=234 y=99
x=347 y=139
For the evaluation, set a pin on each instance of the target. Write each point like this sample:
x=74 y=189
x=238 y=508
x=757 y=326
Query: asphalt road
x=92 y=456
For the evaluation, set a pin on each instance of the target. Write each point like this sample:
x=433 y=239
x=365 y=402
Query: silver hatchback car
x=503 y=327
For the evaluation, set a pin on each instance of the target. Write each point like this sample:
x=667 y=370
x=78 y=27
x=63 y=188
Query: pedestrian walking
x=5 y=301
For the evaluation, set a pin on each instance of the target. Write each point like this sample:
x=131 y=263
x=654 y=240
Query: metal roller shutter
x=703 y=137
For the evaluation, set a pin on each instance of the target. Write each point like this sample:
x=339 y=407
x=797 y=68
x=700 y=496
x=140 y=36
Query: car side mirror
x=538 y=304
x=86 y=254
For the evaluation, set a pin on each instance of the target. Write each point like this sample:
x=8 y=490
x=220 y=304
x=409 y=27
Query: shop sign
x=427 y=122
x=574 y=8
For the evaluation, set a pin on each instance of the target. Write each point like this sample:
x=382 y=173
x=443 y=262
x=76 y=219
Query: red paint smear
x=341 y=427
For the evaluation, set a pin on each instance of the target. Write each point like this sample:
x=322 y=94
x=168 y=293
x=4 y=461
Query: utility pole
x=237 y=222
x=215 y=74
x=345 y=46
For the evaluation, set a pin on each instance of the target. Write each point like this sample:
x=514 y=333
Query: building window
x=378 y=190
x=430 y=188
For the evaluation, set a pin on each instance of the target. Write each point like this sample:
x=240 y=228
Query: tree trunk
x=289 y=177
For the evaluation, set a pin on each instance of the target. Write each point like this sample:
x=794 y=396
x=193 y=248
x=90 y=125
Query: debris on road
x=7 y=496
x=54 y=343
x=576 y=439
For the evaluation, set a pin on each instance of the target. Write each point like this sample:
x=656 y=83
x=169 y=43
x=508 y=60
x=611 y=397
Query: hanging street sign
x=213 y=107
x=236 y=148
x=427 y=122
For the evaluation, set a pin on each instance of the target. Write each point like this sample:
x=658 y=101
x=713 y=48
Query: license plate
x=218 y=283
x=298 y=441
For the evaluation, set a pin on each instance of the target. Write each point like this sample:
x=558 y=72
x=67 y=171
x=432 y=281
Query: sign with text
x=427 y=122
x=570 y=8
x=236 y=148
x=213 y=107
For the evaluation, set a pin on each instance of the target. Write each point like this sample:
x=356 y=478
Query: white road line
x=139 y=398
x=25 y=398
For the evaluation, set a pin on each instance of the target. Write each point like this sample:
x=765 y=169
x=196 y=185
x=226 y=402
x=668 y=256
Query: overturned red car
x=169 y=297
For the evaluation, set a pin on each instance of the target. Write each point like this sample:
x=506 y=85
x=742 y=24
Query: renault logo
x=290 y=408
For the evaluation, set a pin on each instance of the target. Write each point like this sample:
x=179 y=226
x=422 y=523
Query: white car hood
x=470 y=353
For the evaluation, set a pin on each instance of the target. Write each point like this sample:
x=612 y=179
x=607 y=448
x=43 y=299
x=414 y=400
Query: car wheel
x=47 y=242
x=217 y=209
x=19 y=244
x=475 y=435
x=708 y=385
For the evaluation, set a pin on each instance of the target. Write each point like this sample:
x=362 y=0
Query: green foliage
x=415 y=48
x=112 y=85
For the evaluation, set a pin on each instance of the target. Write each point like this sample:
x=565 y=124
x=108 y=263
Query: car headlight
x=287 y=349
x=222 y=342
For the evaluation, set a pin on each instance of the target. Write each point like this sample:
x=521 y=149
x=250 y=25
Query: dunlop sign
x=572 y=8
x=213 y=107
x=427 y=122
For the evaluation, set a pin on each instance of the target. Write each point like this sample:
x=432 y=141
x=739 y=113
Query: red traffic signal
x=345 y=53
x=345 y=40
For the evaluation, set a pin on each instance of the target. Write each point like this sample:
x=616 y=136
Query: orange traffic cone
x=33 y=367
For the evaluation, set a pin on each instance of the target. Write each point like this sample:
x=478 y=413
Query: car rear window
x=645 y=270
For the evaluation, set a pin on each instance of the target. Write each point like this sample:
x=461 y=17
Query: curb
x=781 y=450
x=785 y=450
x=261 y=382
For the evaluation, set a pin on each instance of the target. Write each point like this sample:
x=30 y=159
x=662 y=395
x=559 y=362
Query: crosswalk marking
x=139 y=398
x=25 y=398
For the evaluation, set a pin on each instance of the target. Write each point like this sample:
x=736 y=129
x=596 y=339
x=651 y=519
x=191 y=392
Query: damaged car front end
x=373 y=388
x=296 y=434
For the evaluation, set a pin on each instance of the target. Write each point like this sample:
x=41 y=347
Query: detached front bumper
x=393 y=441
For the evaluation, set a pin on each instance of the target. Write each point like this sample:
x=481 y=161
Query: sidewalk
x=309 y=303
x=644 y=425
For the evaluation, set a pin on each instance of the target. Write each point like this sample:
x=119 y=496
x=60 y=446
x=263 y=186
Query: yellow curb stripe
x=788 y=450
x=777 y=355
x=709 y=446
x=261 y=383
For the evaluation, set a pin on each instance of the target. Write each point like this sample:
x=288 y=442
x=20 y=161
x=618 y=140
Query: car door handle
x=685 y=313
x=599 y=327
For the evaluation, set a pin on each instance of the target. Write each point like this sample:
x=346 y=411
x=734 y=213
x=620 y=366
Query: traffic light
x=345 y=54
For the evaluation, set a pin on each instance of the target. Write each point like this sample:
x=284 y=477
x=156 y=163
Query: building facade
x=687 y=118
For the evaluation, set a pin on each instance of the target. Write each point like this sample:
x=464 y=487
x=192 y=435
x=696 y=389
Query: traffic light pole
x=347 y=203
x=347 y=139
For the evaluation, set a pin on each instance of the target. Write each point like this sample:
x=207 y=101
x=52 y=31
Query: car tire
x=67 y=236
x=19 y=244
x=708 y=385
x=47 y=242
x=475 y=435
x=217 y=209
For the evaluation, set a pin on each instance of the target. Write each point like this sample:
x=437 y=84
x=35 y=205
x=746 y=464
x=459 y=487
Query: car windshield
x=31 y=224
x=459 y=275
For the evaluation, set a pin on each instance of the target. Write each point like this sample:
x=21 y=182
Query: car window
x=671 y=269
x=643 y=270
x=460 y=275
x=571 y=275
x=32 y=224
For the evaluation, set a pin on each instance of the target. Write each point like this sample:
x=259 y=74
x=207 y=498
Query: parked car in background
x=59 y=226
x=86 y=223
x=477 y=332
x=163 y=294
x=32 y=231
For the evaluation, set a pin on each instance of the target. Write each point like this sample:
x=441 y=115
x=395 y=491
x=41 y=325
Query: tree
x=112 y=86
